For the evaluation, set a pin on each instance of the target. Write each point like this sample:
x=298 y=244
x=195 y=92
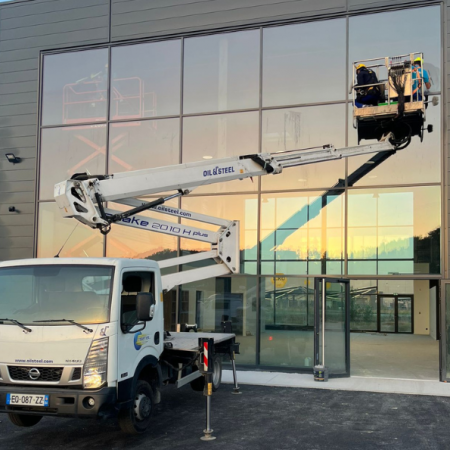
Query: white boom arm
x=83 y=196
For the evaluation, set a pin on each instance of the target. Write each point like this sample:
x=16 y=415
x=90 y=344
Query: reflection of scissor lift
x=402 y=113
x=86 y=101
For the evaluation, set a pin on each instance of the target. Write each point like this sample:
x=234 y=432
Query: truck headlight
x=96 y=364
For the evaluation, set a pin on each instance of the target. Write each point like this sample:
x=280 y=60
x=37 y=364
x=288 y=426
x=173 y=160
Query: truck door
x=137 y=339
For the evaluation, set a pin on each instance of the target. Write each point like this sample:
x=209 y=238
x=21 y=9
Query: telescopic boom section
x=83 y=197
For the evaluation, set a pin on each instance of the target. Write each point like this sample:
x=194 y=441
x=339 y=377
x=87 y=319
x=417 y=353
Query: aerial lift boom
x=83 y=197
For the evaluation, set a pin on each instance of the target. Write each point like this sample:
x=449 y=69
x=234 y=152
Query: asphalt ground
x=260 y=418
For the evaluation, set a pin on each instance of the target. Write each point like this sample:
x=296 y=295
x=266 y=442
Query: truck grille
x=76 y=375
x=21 y=373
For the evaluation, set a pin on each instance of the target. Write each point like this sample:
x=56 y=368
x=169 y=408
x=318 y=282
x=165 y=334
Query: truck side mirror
x=144 y=306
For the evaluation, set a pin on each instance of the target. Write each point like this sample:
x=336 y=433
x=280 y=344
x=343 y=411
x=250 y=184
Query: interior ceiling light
x=207 y=157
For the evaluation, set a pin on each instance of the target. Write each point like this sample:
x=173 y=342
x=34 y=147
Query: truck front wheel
x=135 y=419
x=199 y=383
x=23 y=420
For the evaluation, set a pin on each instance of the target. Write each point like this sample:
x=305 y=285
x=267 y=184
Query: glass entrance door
x=332 y=325
x=395 y=314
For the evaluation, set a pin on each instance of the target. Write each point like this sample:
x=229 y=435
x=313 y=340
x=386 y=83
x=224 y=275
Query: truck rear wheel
x=199 y=383
x=135 y=419
x=23 y=420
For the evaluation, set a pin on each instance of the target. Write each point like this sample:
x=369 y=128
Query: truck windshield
x=79 y=293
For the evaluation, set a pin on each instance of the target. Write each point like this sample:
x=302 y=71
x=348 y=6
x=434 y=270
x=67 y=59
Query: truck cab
x=73 y=342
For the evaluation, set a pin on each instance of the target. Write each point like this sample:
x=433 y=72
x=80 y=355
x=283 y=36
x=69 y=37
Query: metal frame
x=345 y=102
x=319 y=302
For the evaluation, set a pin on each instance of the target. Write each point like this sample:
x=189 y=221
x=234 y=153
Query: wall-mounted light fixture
x=12 y=158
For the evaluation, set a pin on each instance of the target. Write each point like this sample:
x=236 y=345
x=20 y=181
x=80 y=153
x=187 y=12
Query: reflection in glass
x=54 y=230
x=387 y=314
x=75 y=87
x=243 y=208
x=397 y=229
x=221 y=72
x=143 y=145
x=221 y=136
x=363 y=305
x=390 y=34
x=301 y=232
x=304 y=63
x=128 y=242
x=297 y=128
x=287 y=322
x=208 y=303
x=146 y=80
x=69 y=150
x=334 y=326
x=419 y=163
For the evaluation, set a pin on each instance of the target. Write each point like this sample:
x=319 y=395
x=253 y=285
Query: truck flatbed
x=188 y=342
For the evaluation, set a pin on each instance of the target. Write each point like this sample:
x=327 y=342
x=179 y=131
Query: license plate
x=26 y=400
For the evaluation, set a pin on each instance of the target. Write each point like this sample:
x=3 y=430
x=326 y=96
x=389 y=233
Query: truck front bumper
x=64 y=402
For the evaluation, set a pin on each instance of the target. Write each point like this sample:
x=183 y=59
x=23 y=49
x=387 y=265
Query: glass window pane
x=143 y=144
x=231 y=207
x=397 y=229
x=210 y=302
x=221 y=136
x=301 y=227
x=146 y=80
x=75 y=87
x=69 y=150
x=221 y=72
x=419 y=163
x=54 y=231
x=297 y=128
x=287 y=334
x=393 y=33
x=363 y=305
x=128 y=242
x=304 y=63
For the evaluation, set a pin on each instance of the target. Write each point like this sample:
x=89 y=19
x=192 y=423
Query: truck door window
x=132 y=284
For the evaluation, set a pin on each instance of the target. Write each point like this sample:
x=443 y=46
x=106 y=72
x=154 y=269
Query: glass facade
x=285 y=87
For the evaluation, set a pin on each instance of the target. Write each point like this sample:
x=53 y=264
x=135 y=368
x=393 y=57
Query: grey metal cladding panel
x=17 y=186
x=16 y=120
x=10 y=242
x=17 y=110
x=17 y=88
x=17 y=175
x=15 y=253
x=25 y=164
x=19 y=64
x=368 y=4
x=16 y=197
x=17 y=231
x=212 y=14
x=97 y=34
x=45 y=7
x=17 y=131
x=21 y=208
x=35 y=24
x=19 y=76
x=16 y=219
x=16 y=99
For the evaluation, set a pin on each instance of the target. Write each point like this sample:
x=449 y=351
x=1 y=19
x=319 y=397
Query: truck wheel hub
x=142 y=407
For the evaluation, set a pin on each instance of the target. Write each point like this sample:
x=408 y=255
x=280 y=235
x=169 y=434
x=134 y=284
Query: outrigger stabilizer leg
x=207 y=346
x=236 y=388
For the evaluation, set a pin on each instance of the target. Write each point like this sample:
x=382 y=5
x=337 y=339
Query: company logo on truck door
x=140 y=339
x=218 y=171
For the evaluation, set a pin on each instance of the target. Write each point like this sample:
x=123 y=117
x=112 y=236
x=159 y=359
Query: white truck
x=85 y=337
